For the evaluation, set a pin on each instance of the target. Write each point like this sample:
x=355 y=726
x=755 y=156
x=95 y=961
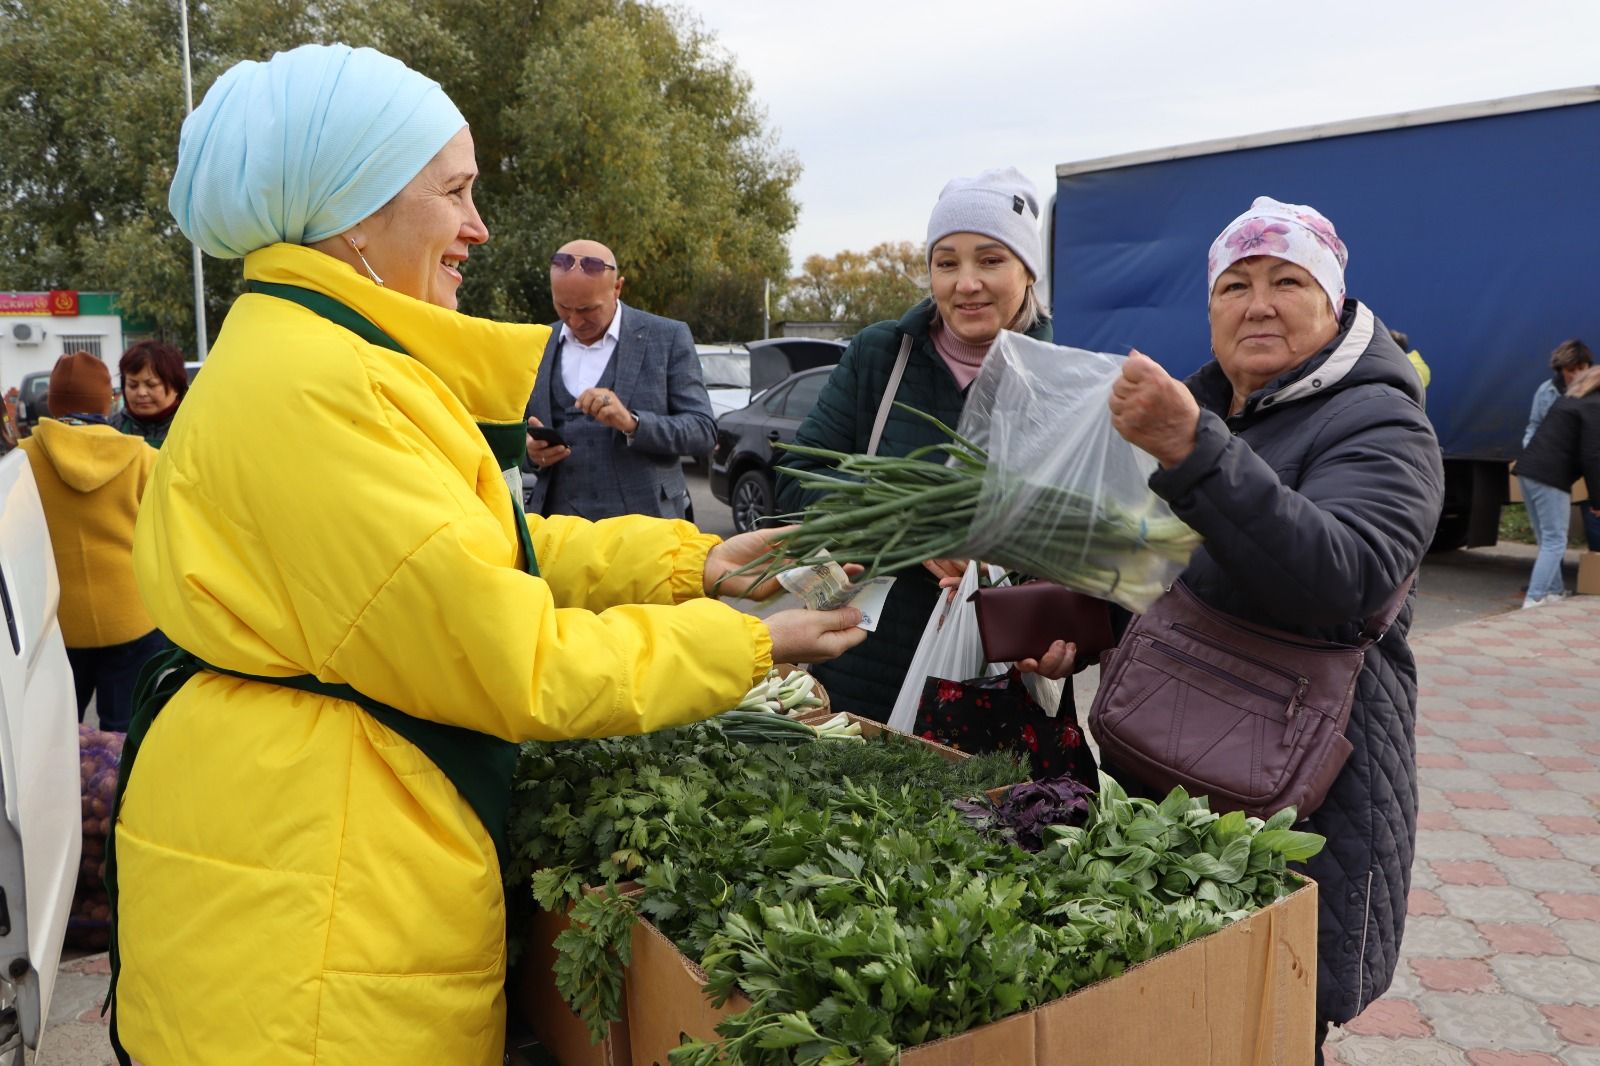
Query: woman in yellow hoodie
x=91 y=478
x=306 y=845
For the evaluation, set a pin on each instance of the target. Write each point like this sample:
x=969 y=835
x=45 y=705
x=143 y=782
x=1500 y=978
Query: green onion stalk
x=890 y=512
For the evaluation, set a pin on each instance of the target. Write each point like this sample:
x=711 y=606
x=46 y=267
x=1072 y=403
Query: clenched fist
x=1153 y=410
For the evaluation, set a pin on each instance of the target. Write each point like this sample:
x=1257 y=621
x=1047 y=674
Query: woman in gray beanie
x=984 y=257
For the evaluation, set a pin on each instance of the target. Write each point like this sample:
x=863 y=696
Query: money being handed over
x=823 y=586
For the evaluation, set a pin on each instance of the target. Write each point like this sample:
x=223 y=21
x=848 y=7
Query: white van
x=41 y=831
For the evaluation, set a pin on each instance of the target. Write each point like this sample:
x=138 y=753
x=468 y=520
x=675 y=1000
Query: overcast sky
x=882 y=101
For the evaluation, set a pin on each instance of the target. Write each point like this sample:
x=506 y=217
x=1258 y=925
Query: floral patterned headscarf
x=1294 y=232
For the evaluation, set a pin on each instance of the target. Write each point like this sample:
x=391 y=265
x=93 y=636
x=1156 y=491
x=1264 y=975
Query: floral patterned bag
x=997 y=714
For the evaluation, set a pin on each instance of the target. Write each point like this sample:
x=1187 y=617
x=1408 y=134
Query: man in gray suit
x=622 y=390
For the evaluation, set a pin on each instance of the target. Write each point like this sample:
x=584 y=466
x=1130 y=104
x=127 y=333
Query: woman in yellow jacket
x=305 y=849
x=90 y=479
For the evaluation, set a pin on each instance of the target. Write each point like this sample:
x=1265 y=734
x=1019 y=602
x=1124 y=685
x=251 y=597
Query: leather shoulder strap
x=889 y=391
x=1182 y=603
x=1373 y=629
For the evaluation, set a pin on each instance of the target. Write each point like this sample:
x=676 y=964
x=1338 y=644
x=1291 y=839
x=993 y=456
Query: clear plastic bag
x=1065 y=497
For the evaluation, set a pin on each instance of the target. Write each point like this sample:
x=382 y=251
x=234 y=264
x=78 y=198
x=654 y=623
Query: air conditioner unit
x=26 y=333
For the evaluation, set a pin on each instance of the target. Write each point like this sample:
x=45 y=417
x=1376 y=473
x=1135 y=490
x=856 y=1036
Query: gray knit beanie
x=1000 y=203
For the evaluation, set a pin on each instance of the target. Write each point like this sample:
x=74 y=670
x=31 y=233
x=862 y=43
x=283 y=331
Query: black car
x=741 y=465
x=776 y=358
x=31 y=401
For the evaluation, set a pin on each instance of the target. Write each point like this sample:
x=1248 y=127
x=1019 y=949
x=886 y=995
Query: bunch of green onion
x=792 y=696
x=890 y=512
x=769 y=727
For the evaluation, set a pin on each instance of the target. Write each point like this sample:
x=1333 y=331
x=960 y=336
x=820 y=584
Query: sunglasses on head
x=591 y=264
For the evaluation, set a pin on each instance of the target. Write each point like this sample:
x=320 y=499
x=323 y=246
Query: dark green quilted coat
x=866 y=679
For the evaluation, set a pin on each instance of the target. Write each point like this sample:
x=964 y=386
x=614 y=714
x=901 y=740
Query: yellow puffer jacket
x=90 y=480
x=298 y=884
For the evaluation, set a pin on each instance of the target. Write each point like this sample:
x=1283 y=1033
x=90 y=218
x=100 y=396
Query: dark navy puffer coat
x=1316 y=501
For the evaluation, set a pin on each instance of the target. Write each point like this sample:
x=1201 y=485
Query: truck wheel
x=751 y=499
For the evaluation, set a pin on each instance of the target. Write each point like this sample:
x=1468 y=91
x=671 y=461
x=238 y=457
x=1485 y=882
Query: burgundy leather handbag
x=1250 y=716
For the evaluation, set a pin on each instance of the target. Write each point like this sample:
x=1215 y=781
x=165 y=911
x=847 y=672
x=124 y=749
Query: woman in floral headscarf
x=1302 y=455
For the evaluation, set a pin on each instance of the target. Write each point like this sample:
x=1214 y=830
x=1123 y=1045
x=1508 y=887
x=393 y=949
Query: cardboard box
x=1244 y=996
x=560 y=1031
x=1589 y=574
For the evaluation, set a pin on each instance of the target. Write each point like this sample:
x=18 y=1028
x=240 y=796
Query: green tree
x=608 y=119
x=860 y=287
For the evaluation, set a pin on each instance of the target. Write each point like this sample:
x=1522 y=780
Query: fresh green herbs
x=593 y=812
x=836 y=888
x=887 y=937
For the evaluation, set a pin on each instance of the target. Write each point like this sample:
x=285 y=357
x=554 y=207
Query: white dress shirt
x=582 y=364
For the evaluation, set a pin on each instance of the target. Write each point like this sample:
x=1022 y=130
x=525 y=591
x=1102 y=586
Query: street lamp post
x=199 y=267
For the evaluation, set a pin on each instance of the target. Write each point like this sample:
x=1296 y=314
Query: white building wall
x=18 y=360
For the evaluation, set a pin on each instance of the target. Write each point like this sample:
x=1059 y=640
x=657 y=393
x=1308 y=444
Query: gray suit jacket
x=658 y=379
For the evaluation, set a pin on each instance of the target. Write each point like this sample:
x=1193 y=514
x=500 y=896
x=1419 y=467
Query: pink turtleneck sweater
x=963 y=359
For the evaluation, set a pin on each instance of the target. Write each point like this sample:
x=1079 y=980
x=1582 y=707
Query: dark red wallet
x=1022 y=621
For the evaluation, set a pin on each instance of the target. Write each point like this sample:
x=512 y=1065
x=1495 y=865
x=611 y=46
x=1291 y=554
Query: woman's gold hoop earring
x=372 y=273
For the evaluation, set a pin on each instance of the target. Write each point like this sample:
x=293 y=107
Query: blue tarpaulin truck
x=1474 y=228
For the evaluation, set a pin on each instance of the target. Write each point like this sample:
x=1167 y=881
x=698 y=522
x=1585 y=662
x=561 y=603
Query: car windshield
x=725 y=371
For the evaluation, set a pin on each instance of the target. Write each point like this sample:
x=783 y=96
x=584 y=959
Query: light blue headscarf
x=304 y=146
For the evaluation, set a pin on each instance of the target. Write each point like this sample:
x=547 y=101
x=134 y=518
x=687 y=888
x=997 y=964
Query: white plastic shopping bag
x=950 y=648
x=1045 y=692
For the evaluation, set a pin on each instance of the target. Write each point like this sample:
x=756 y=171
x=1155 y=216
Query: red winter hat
x=79 y=384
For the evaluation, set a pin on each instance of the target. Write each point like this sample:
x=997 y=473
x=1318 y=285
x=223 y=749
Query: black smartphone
x=547 y=435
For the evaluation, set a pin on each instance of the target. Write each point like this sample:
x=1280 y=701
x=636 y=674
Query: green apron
x=479 y=765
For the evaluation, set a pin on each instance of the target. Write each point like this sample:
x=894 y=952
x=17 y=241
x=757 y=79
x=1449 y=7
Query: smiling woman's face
x=978 y=283
x=418 y=241
x=1268 y=316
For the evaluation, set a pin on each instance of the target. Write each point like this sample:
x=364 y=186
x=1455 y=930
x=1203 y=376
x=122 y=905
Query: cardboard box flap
x=1009 y=1040
x=1589 y=574
x=541 y=1006
x=1244 y=995
x=665 y=998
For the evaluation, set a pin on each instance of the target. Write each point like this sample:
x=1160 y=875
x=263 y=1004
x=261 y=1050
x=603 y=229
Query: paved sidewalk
x=1501 y=961
x=76 y=1035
